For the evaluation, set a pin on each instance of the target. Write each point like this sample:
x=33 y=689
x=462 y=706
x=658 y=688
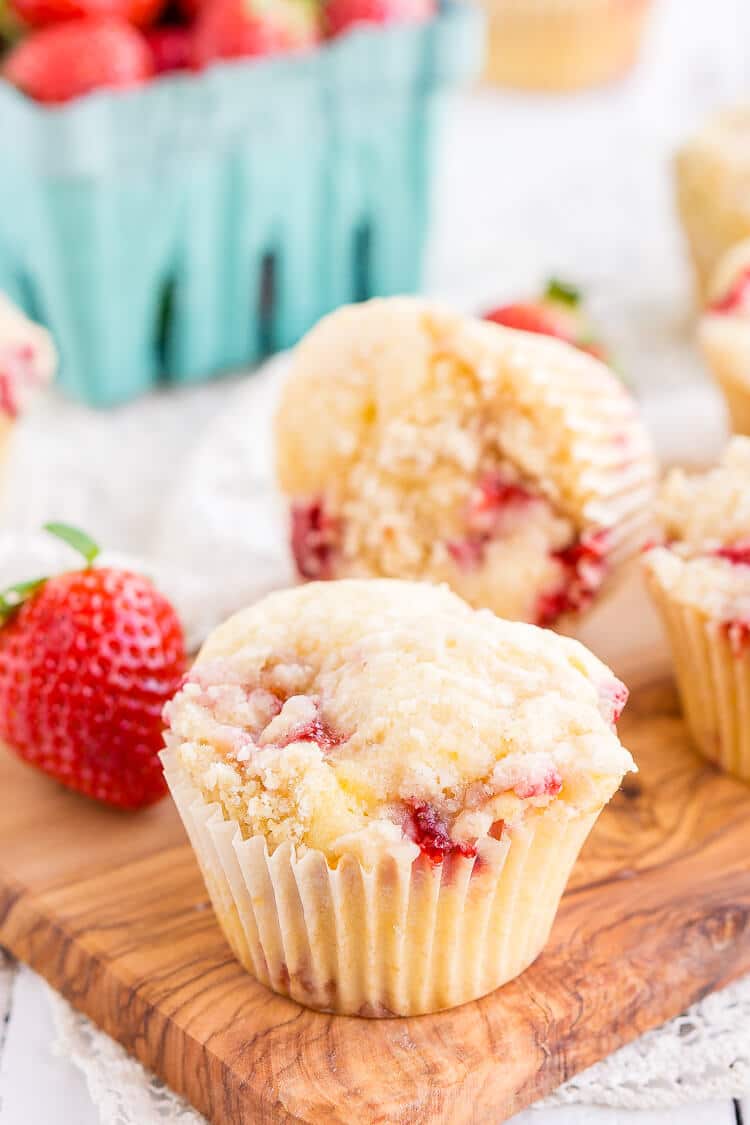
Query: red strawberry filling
x=315 y=538
x=494 y=507
x=612 y=699
x=737 y=298
x=736 y=553
x=317 y=730
x=16 y=371
x=548 y=785
x=584 y=565
x=428 y=830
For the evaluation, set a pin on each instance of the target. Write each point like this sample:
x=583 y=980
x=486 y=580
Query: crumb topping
x=706 y=522
x=359 y=714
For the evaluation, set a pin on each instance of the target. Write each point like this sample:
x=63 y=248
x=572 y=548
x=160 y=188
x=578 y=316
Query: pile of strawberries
x=62 y=49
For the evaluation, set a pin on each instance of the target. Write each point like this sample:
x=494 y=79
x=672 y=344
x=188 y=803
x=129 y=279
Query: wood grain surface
x=111 y=909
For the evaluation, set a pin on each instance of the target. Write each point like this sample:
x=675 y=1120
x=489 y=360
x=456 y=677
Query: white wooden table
x=527 y=187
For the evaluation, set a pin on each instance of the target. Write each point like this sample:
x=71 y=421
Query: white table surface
x=521 y=181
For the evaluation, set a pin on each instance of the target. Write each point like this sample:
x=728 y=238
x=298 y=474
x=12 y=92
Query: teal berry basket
x=200 y=223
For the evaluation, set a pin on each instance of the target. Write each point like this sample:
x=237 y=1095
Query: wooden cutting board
x=111 y=910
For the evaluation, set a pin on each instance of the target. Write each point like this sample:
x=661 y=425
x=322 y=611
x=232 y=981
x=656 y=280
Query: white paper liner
x=713 y=678
x=402 y=938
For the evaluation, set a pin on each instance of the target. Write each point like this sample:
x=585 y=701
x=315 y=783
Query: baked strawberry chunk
x=494 y=508
x=737 y=299
x=584 y=565
x=428 y=830
x=548 y=785
x=317 y=730
x=736 y=553
x=314 y=540
x=612 y=699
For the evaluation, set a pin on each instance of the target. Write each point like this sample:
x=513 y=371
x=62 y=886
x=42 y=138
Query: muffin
x=713 y=190
x=415 y=443
x=27 y=362
x=562 y=44
x=700 y=582
x=387 y=790
x=724 y=333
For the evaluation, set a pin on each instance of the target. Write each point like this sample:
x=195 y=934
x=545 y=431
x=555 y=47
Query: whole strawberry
x=39 y=13
x=558 y=312
x=67 y=60
x=343 y=15
x=87 y=661
x=230 y=29
x=171 y=47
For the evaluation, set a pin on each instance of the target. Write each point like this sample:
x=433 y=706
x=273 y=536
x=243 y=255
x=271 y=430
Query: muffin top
x=27 y=358
x=355 y=715
x=706 y=520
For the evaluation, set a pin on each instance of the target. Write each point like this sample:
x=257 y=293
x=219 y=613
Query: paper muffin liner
x=618 y=479
x=562 y=44
x=400 y=938
x=713 y=677
x=726 y=348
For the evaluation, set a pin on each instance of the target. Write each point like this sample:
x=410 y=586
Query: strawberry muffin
x=27 y=362
x=713 y=190
x=725 y=333
x=700 y=582
x=416 y=443
x=387 y=790
x=562 y=44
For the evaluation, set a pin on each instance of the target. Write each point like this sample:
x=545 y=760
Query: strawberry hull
x=201 y=222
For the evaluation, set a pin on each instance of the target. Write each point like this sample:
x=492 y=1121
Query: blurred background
x=200 y=221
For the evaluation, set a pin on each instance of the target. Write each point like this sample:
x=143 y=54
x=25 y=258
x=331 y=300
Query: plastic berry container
x=202 y=222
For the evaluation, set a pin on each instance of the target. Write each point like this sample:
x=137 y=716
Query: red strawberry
x=67 y=60
x=171 y=47
x=87 y=662
x=228 y=29
x=558 y=312
x=39 y=13
x=529 y=318
x=342 y=15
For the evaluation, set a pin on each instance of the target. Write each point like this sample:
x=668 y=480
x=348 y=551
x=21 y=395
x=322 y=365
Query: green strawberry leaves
x=76 y=539
x=563 y=292
x=13 y=597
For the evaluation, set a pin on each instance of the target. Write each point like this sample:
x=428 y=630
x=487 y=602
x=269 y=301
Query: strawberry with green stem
x=558 y=312
x=88 y=659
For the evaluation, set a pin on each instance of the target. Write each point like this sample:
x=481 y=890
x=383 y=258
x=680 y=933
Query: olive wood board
x=110 y=908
